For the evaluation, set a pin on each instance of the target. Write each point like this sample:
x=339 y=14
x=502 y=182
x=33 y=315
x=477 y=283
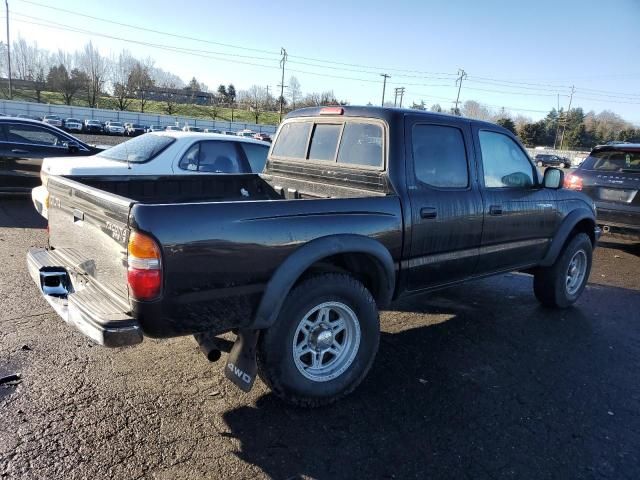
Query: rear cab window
x=352 y=142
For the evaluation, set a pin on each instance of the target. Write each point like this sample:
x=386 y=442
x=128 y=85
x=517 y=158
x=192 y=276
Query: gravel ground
x=471 y=382
x=101 y=139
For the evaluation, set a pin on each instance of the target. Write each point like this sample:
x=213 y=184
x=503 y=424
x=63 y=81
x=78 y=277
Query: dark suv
x=610 y=175
x=545 y=160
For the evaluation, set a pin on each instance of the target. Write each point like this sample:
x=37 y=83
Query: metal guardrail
x=14 y=108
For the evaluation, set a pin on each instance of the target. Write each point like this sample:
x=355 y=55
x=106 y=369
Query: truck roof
x=388 y=114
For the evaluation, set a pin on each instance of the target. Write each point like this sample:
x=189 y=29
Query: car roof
x=206 y=136
x=619 y=147
x=390 y=114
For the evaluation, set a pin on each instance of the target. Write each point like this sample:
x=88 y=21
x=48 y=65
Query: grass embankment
x=154 y=106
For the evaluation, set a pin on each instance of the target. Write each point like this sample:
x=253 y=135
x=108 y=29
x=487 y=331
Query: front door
x=446 y=207
x=519 y=214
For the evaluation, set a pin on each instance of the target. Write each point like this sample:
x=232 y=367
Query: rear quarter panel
x=218 y=257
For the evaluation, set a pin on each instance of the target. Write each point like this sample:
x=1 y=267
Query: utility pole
x=564 y=126
x=459 y=80
x=384 y=85
x=283 y=52
x=555 y=140
x=399 y=91
x=6 y=3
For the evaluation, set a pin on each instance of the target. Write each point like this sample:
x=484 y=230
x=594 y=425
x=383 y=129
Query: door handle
x=428 y=212
x=495 y=210
x=19 y=151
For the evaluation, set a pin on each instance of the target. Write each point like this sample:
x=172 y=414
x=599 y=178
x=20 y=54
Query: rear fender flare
x=295 y=265
x=561 y=236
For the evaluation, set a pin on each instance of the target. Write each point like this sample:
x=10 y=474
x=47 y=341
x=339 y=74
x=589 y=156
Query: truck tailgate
x=89 y=228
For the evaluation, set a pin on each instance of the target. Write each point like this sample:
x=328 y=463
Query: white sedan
x=160 y=153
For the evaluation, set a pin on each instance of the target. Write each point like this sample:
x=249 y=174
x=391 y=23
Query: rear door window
x=292 y=140
x=213 y=157
x=439 y=156
x=361 y=144
x=324 y=142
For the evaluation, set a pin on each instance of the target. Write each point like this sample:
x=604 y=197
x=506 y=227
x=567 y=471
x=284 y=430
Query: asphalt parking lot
x=472 y=382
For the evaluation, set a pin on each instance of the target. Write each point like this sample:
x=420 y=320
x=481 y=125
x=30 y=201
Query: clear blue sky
x=543 y=46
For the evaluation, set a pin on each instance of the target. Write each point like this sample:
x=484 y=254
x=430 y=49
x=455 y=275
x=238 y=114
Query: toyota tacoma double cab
x=356 y=207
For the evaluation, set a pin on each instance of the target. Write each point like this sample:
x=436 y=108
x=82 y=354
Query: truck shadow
x=19 y=212
x=495 y=386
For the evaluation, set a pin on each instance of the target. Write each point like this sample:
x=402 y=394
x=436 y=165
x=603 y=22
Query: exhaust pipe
x=606 y=229
x=212 y=346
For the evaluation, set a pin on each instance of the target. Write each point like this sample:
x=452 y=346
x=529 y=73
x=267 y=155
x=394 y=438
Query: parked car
x=546 y=160
x=165 y=153
x=212 y=130
x=228 y=132
x=154 y=128
x=246 y=133
x=357 y=206
x=73 y=125
x=113 y=128
x=24 y=143
x=173 y=128
x=134 y=129
x=190 y=128
x=54 y=120
x=262 y=136
x=610 y=175
x=92 y=126
x=32 y=117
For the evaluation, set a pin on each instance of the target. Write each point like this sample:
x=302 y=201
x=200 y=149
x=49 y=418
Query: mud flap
x=241 y=366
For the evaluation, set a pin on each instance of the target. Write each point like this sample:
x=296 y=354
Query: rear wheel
x=561 y=284
x=323 y=342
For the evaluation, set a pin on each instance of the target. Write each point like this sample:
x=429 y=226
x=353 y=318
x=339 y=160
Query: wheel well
x=364 y=267
x=584 y=226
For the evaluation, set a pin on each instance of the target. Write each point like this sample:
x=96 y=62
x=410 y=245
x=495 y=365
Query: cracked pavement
x=474 y=382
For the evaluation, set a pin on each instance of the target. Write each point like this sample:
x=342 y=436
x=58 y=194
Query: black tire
x=276 y=365
x=550 y=283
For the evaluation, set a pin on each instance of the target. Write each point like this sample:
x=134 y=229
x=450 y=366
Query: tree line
x=572 y=129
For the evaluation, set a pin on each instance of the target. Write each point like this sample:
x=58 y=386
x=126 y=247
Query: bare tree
x=121 y=70
x=473 y=109
x=140 y=81
x=96 y=68
x=255 y=99
x=295 y=92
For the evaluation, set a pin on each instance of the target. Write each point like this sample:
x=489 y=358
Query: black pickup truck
x=356 y=207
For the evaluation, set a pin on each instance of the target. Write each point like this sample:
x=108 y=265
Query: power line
x=138 y=27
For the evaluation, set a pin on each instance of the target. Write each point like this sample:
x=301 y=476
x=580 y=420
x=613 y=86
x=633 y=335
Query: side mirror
x=553 y=178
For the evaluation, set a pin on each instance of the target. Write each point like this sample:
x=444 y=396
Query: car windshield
x=115 y=124
x=135 y=125
x=52 y=117
x=139 y=149
x=93 y=122
x=614 y=161
x=73 y=120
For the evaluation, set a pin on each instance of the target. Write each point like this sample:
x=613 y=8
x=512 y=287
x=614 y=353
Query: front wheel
x=323 y=343
x=561 y=284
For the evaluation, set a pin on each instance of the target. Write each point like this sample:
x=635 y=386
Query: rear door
x=519 y=215
x=22 y=148
x=446 y=206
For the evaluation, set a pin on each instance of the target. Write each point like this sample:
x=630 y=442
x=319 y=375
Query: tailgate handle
x=428 y=212
x=78 y=215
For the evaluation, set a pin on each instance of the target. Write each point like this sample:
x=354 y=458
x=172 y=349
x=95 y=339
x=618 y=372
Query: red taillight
x=331 y=111
x=573 y=182
x=144 y=272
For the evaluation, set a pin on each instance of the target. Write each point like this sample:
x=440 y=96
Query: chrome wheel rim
x=326 y=341
x=576 y=272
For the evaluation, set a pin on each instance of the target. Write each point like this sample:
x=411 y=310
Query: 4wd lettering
x=239 y=373
x=119 y=233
